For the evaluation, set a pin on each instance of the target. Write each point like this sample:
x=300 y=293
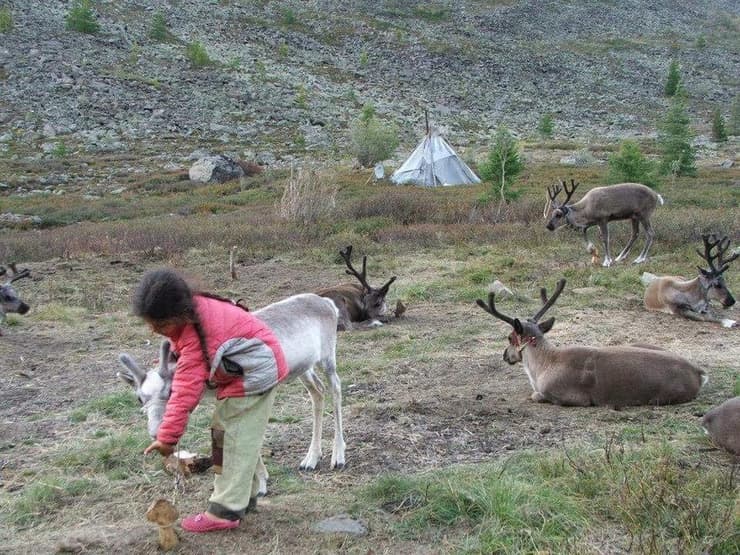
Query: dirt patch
x=442 y=401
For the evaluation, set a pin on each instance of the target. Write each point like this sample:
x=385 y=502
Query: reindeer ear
x=546 y=325
x=518 y=328
x=132 y=375
x=384 y=289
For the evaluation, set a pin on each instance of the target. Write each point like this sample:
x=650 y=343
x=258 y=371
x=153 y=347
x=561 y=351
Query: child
x=200 y=327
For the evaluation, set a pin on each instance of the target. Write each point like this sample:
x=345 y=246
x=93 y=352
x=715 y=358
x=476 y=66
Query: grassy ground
x=446 y=454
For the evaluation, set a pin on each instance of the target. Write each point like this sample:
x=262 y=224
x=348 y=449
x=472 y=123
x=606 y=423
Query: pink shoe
x=203 y=523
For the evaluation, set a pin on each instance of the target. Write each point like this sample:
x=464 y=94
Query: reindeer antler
x=569 y=192
x=346 y=254
x=547 y=303
x=15 y=275
x=712 y=241
x=491 y=309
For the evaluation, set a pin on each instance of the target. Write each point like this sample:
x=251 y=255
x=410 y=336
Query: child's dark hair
x=164 y=294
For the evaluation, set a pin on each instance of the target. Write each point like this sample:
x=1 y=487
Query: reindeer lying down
x=576 y=375
x=722 y=423
x=306 y=327
x=360 y=306
x=691 y=298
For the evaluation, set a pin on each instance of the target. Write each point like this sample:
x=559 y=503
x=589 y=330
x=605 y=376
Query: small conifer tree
x=673 y=81
x=503 y=164
x=719 y=131
x=546 y=126
x=734 y=126
x=674 y=137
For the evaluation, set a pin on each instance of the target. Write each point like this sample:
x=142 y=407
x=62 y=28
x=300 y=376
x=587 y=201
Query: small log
x=164 y=514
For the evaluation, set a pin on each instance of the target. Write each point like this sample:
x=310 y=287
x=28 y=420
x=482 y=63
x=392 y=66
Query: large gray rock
x=215 y=169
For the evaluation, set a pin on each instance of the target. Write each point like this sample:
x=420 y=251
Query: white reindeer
x=691 y=298
x=306 y=327
x=9 y=299
x=575 y=375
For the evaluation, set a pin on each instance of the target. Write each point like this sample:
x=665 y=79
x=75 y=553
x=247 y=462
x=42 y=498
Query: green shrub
x=197 y=54
x=158 y=30
x=630 y=165
x=288 y=17
x=81 y=18
x=673 y=80
x=719 y=131
x=6 y=20
x=372 y=140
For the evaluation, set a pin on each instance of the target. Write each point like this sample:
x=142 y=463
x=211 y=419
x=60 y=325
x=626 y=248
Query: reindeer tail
x=647 y=278
x=660 y=199
x=704 y=378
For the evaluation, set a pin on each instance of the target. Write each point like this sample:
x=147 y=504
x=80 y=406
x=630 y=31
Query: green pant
x=238 y=429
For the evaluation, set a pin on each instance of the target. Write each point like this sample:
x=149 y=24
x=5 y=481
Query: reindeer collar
x=522 y=344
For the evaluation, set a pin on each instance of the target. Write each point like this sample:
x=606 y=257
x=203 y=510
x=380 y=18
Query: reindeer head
x=373 y=300
x=153 y=387
x=711 y=279
x=9 y=300
x=558 y=216
x=528 y=332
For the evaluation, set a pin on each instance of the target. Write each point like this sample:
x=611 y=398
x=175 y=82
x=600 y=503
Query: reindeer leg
x=649 y=236
x=316 y=389
x=337 y=452
x=604 y=230
x=691 y=314
x=261 y=475
x=626 y=250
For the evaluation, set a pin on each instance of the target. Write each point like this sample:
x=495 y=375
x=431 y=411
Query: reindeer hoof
x=338 y=466
x=607 y=262
x=308 y=468
x=727 y=323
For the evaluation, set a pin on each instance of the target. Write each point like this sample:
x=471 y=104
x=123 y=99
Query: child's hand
x=165 y=449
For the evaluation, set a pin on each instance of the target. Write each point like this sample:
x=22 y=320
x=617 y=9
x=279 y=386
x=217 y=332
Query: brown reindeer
x=722 y=423
x=9 y=299
x=691 y=298
x=360 y=304
x=601 y=205
x=583 y=376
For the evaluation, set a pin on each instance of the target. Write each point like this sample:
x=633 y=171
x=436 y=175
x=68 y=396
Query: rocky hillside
x=287 y=78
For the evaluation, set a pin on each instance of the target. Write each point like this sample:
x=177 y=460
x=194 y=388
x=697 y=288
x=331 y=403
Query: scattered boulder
x=342 y=524
x=215 y=169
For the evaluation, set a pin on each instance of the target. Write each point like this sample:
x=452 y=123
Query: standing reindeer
x=583 y=376
x=9 y=300
x=601 y=205
x=306 y=328
x=361 y=304
x=690 y=298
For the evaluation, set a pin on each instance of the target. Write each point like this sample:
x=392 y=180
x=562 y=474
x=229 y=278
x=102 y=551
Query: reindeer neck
x=535 y=350
x=575 y=216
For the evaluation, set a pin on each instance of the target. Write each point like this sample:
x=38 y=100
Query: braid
x=202 y=340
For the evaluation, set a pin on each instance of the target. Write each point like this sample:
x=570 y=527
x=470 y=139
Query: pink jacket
x=222 y=322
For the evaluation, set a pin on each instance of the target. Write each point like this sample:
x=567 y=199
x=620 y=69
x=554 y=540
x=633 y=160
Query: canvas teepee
x=434 y=163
